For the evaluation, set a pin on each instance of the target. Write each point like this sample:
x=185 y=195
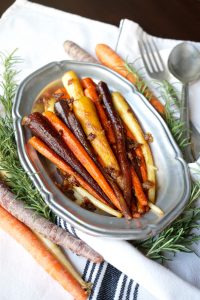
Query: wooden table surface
x=178 y=19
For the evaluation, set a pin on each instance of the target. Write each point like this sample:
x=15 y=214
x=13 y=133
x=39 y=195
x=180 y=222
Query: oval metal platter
x=173 y=180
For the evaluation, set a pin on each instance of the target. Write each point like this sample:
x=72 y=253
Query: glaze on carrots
x=120 y=138
x=91 y=92
x=43 y=129
x=80 y=153
x=47 y=152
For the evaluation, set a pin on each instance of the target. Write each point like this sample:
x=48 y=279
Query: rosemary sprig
x=180 y=235
x=10 y=167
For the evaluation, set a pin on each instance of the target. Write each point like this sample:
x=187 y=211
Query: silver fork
x=156 y=69
x=151 y=58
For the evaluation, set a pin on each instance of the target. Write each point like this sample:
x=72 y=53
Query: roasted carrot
x=23 y=235
x=43 y=149
x=86 y=114
x=61 y=93
x=138 y=152
x=68 y=117
x=87 y=82
x=129 y=118
x=139 y=193
x=112 y=60
x=80 y=153
x=120 y=138
x=43 y=129
x=91 y=93
x=72 y=84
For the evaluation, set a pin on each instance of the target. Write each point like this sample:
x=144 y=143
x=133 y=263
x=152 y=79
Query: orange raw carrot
x=139 y=193
x=112 y=60
x=91 y=93
x=78 y=150
x=23 y=235
x=43 y=149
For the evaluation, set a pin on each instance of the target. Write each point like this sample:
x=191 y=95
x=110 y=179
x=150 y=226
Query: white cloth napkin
x=39 y=33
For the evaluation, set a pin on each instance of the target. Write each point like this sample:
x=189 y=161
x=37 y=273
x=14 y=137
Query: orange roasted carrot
x=91 y=93
x=78 y=150
x=87 y=82
x=112 y=60
x=139 y=193
x=61 y=93
x=138 y=151
x=28 y=239
x=43 y=149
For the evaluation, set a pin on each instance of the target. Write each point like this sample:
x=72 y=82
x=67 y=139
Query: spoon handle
x=185 y=118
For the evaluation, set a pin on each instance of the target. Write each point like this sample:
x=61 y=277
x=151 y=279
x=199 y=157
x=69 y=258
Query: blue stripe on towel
x=109 y=283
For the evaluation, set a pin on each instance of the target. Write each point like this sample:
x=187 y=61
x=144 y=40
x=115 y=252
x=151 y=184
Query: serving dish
x=172 y=175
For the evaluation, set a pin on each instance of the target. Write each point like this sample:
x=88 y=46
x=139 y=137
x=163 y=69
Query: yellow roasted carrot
x=133 y=125
x=72 y=84
x=86 y=113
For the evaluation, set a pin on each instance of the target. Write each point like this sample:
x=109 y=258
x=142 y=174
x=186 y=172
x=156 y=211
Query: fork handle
x=185 y=118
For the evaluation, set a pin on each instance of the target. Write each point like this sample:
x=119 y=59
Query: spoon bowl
x=184 y=62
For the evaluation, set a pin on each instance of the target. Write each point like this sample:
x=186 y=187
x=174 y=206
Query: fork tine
x=153 y=54
x=148 y=56
x=158 y=54
x=143 y=58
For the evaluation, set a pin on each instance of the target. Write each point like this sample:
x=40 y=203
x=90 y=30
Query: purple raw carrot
x=46 y=228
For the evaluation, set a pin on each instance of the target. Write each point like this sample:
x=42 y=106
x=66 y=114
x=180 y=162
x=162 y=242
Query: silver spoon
x=184 y=64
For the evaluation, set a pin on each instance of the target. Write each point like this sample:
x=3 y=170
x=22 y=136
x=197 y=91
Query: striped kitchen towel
x=108 y=282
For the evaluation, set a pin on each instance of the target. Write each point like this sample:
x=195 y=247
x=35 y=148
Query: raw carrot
x=80 y=153
x=43 y=149
x=43 y=226
x=78 y=53
x=112 y=60
x=23 y=235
